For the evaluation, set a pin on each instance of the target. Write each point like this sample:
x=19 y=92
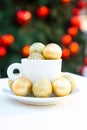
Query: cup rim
x=46 y=60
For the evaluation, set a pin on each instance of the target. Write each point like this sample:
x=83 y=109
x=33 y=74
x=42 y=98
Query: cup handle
x=11 y=69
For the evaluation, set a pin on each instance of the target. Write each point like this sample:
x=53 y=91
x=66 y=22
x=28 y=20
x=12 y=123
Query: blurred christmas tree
x=23 y=22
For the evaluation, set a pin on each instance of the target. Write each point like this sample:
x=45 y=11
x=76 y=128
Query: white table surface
x=67 y=115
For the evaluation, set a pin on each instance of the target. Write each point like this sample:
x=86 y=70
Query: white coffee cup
x=35 y=69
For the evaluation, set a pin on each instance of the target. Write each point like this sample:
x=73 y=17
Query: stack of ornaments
x=61 y=86
x=39 y=51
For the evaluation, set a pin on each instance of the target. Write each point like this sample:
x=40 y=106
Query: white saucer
x=37 y=101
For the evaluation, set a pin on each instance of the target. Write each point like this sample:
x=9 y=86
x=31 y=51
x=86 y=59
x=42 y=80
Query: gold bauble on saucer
x=71 y=80
x=21 y=86
x=61 y=86
x=42 y=88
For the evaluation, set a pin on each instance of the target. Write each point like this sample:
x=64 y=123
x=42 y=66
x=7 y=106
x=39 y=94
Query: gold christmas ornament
x=36 y=56
x=71 y=80
x=21 y=86
x=36 y=48
x=61 y=86
x=52 y=51
x=42 y=88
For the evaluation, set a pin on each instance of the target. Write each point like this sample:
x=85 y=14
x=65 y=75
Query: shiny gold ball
x=71 y=80
x=52 y=51
x=36 y=56
x=21 y=86
x=42 y=88
x=36 y=48
x=61 y=86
